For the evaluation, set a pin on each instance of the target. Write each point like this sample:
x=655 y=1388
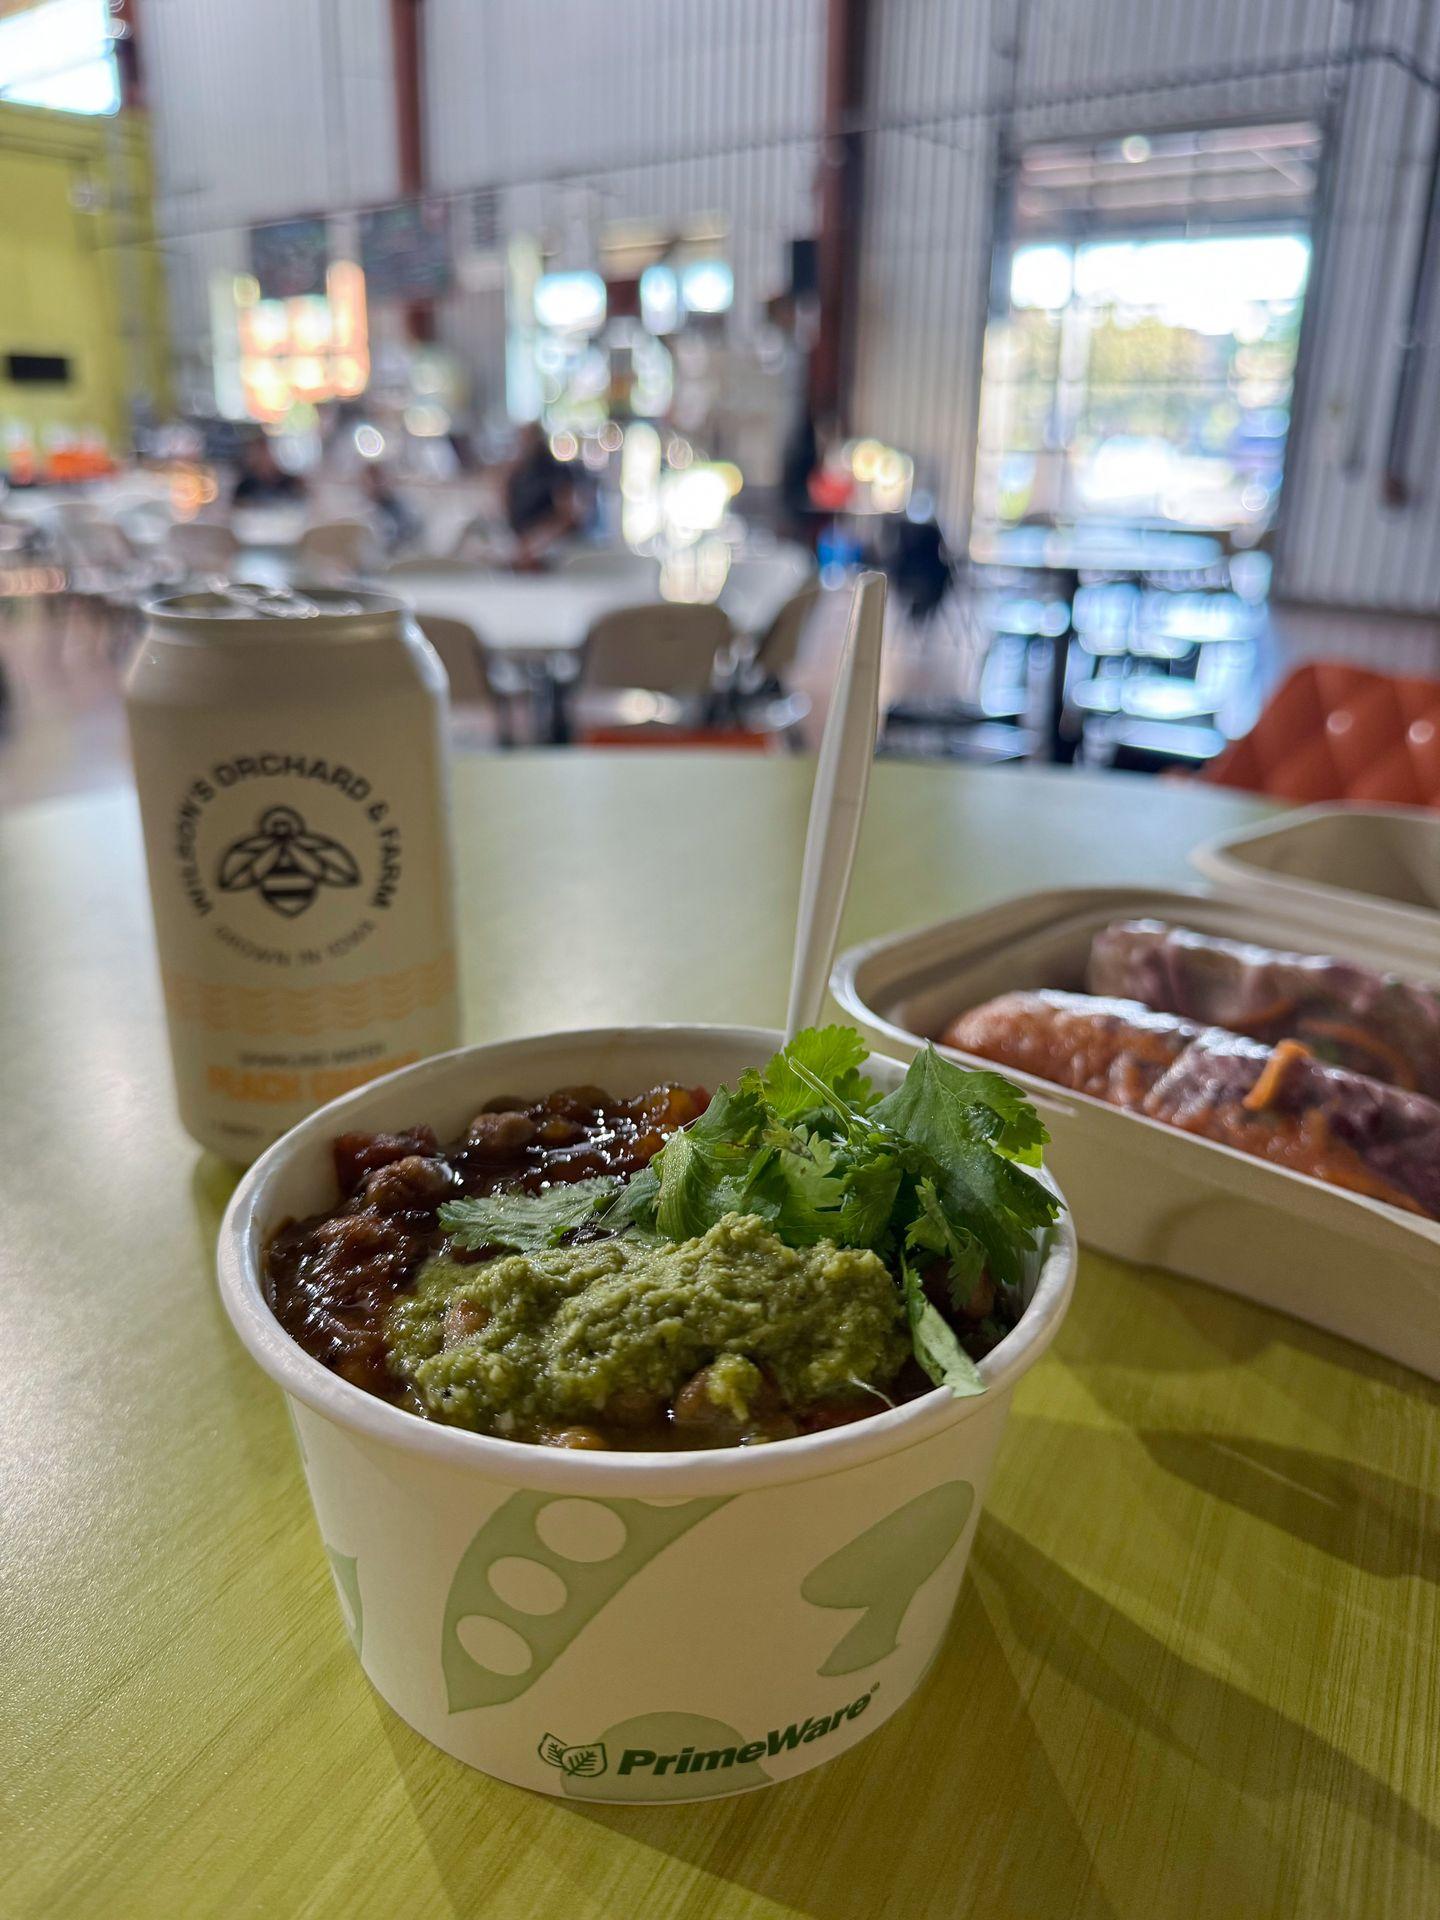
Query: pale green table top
x=1194 y=1671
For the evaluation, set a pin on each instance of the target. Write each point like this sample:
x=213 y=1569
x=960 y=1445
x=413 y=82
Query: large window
x=1142 y=366
x=60 y=54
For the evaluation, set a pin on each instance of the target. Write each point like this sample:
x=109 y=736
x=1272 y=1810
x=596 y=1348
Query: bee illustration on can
x=286 y=863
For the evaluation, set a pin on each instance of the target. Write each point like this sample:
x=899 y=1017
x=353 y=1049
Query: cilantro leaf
x=1021 y=1134
x=871 y=1185
x=794 y=1187
x=932 y=1231
x=934 y=1340
x=704 y=1168
x=524 y=1222
x=971 y=1127
x=634 y=1204
x=833 y=1056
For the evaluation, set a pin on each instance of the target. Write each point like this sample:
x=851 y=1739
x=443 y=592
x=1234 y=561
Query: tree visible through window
x=1144 y=372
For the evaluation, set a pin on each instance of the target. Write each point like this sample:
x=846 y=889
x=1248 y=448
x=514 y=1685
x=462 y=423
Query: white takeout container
x=1149 y=1192
x=555 y=1617
x=1377 y=868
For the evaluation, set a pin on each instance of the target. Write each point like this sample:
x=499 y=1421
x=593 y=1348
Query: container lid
x=1338 y=868
x=251 y=610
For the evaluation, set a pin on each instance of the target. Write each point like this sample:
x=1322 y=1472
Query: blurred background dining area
x=615 y=340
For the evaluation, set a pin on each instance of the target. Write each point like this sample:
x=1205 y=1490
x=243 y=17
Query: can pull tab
x=278 y=603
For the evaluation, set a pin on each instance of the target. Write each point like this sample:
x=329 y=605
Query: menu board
x=405 y=250
x=289 y=258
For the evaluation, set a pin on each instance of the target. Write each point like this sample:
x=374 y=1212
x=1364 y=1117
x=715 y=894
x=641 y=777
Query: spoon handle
x=837 y=803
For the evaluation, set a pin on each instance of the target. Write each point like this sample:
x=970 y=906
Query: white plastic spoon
x=837 y=803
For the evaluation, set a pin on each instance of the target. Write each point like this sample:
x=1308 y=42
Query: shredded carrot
x=1326 y=1158
x=1266 y=1089
x=1398 y=1068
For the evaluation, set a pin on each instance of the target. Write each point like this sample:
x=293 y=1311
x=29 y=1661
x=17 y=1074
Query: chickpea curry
x=674 y=1270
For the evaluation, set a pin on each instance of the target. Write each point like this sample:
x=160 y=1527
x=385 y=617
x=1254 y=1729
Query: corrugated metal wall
x=658 y=111
x=962 y=85
x=669 y=110
x=523 y=90
x=1340 y=540
x=925 y=248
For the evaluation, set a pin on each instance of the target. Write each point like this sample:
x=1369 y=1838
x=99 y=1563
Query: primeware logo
x=590 y=1759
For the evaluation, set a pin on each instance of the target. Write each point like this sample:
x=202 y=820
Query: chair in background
x=202 y=547
x=666 y=646
x=1333 y=732
x=482 y=540
x=758 y=586
x=105 y=574
x=508 y=681
x=664 y=650
x=96 y=553
x=471 y=693
x=779 y=645
x=757 y=690
x=639 y=571
x=337 y=548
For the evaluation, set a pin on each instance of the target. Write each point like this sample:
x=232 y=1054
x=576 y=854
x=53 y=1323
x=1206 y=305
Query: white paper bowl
x=553 y=1616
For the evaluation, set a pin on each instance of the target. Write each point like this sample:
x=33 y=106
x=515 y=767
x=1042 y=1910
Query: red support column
x=840 y=184
x=407 y=39
x=127 y=55
x=407 y=44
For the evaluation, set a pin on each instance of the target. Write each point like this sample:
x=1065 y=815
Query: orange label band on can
x=290 y=760
x=267 y=1087
x=302 y=1011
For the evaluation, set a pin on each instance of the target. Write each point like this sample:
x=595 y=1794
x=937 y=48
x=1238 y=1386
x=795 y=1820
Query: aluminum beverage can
x=290 y=758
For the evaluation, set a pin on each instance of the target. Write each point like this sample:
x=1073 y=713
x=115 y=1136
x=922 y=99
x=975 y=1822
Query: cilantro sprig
x=524 y=1222
x=937 y=1171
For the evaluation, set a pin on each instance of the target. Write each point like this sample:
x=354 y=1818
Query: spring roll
x=1344 y=1014
x=1278 y=1103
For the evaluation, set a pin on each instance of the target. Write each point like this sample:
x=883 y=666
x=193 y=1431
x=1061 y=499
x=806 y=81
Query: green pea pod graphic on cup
x=879 y=1573
x=592 y=1547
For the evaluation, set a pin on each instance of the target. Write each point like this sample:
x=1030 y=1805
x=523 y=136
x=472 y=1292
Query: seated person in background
x=914 y=554
x=263 y=482
x=799 y=459
x=396 y=520
x=542 y=502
